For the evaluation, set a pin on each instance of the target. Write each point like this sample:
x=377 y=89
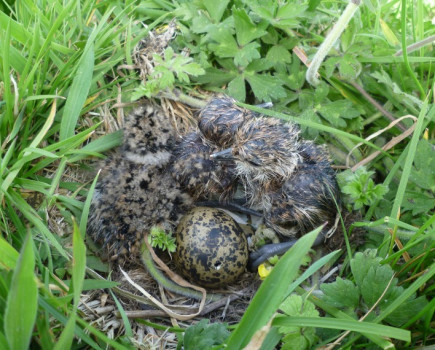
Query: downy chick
x=135 y=190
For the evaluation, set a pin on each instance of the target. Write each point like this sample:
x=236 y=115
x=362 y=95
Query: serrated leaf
x=226 y=45
x=418 y=202
x=361 y=264
x=349 y=67
x=203 y=335
x=341 y=293
x=295 y=305
x=406 y=311
x=216 y=8
x=288 y=15
x=246 y=30
x=278 y=55
x=247 y=54
x=375 y=282
x=266 y=87
x=201 y=24
x=259 y=65
x=265 y=9
x=298 y=337
x=423 y=171
x=22 y=300
x=236 y=88
x=216 y=77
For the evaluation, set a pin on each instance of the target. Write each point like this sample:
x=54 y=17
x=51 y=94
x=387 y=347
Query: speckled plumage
x=201 y=176
x=135 y=190
x=290 y=180
x=220 y=120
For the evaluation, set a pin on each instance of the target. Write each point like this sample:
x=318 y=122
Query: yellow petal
x=264 y=271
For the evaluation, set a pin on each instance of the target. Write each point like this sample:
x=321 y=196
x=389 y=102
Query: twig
x=394 y=141
x=376 y=104
x=207 y=309
x=417 y=45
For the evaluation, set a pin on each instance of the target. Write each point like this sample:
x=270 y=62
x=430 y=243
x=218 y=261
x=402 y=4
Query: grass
x=60 y=94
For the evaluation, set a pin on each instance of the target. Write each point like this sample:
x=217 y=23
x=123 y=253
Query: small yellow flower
x=264 y=270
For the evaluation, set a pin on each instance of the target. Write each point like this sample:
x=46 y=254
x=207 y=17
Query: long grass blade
x=22 y=301
x=271 y=293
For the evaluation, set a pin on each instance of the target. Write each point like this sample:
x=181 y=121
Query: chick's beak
x=226 y=154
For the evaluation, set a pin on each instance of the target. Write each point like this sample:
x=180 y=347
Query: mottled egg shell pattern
x=212 y=250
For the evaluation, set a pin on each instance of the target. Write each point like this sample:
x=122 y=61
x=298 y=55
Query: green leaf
x=266 y=87
x=360 y=187
x=8 y=255
x=226 y=44
x=349 y=67
x=361 y=264
x=375 y=282
x=247 y=54
x=66 y=338
x=78 y=264
x=236 y=88
x=288 y=15
x=418 y=202
x=406 y=311
x=341 y=294
x=22 y=300
x=246 y=30
x=78 y=93
x=298 y=337
x=423 y=172
x=335 y=111
x=279 y=54
x=216 y=8
x=203 y=335
x=349 y=325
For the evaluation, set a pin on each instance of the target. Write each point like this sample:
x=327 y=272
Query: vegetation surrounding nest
x=67 y=80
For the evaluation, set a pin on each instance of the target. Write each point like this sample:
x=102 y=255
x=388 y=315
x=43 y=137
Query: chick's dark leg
x=269 y=250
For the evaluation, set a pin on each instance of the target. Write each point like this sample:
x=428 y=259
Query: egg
x=212 y=249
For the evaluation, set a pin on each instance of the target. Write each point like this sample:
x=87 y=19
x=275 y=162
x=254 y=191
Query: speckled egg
x=212 y=250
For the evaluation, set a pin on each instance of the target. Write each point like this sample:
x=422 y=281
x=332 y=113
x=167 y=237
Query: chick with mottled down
x=289 y=179
x=135 y=190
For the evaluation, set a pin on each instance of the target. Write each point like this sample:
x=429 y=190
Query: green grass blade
x=30 y=214
x=79 y=263
x=272 y=292
x=66 y=338
x=8 y=255
x=22 y=300
x=78 y=93
x=86 y=206
x=312 y=269
x=348 y=325
x=407 y=293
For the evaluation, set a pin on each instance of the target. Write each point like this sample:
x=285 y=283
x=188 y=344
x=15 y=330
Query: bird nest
x=99 y=307
x=138 y=296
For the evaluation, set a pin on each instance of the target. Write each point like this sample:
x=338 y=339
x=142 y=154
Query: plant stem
x=329 y=41
x=405 y=53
